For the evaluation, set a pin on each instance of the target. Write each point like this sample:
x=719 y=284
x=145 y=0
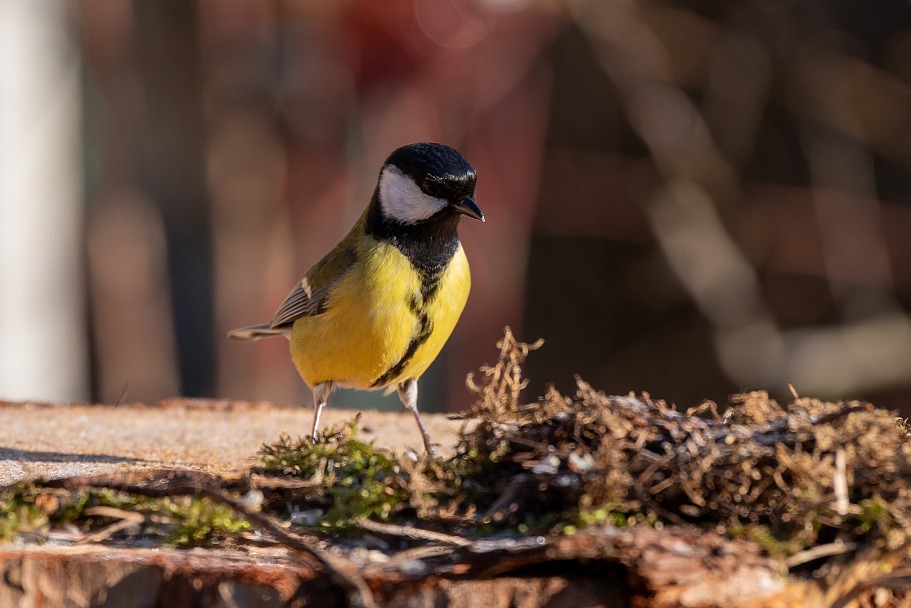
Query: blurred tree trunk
x=42 y=330
x=171 y=172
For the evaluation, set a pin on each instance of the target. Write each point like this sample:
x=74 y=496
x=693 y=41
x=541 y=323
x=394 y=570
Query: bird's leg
x=321 y=394
x=408 y=393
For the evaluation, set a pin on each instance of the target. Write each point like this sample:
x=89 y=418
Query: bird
x=375 y=312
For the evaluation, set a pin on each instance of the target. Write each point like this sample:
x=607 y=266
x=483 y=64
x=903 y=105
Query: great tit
x=376 y=310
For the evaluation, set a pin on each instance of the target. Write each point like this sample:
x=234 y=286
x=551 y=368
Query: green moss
x=602 y=515
x=358 y=480
x=775 y=544
x=180 y=520
x=201 y=522
x=19 y=511
x=874 y=515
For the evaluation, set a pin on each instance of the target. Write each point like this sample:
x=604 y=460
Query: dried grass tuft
x=791 y=476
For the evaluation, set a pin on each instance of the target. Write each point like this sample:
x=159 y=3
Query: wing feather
x=311 y=294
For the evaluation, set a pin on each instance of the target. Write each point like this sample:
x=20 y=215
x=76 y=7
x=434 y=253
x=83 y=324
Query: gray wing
x=303 y=301
x=311 y=294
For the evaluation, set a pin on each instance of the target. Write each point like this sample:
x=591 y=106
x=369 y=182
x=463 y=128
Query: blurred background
x=688 y=198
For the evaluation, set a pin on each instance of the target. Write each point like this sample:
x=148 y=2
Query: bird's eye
x=431 y=188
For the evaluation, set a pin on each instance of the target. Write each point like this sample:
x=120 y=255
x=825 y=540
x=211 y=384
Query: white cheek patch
x=401 y=199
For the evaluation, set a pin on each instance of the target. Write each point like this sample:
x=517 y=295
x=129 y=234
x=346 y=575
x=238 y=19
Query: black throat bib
x=429 y=245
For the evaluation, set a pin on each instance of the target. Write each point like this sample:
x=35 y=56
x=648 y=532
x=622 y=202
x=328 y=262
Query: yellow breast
x=377 y=329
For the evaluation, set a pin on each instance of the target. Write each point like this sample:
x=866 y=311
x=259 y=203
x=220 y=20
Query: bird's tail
x=257 y=332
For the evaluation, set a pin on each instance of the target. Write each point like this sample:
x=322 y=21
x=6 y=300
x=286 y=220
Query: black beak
x=470 y=208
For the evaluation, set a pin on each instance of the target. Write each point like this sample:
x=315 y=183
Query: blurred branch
x=849 y=220
x=871 y=351
x=854 y=98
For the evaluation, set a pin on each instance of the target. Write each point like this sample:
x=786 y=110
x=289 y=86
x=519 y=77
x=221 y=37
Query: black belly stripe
x=423 y=334
x=430 y=284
